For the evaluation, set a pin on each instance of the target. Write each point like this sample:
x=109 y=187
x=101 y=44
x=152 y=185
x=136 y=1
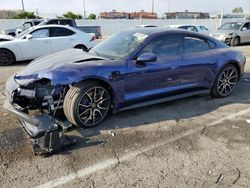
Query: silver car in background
x=233 y=33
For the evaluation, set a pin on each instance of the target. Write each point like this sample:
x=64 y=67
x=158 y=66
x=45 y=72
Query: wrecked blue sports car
x=129 y=70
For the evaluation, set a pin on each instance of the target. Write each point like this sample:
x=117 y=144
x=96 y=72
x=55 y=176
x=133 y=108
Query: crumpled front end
x=36 y=104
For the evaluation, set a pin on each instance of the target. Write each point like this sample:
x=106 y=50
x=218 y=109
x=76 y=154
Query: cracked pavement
x=166 y=145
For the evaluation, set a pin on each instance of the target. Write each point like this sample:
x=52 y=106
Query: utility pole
x=168 y=5
x=23 y=5
x=84 y=10
x=153 y=5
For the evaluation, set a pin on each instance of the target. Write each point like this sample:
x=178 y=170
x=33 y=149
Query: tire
x=82 y=47
x=6 y=57
x=87 y=105
x=235 y=41
x=225 y=82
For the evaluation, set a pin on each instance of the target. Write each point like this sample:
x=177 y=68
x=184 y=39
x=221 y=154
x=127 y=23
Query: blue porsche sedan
x=130 y=69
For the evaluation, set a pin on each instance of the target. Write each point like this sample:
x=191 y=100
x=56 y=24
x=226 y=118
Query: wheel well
x=78 y=45
x=10 y=52
x=103 y=83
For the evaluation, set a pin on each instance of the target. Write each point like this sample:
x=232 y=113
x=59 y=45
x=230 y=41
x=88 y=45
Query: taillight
x=92 y=39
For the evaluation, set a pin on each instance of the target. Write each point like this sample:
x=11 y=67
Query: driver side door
x=38 y=45
x=155 y=79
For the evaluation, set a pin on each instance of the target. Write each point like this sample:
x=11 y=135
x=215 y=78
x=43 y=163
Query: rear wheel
x=235 y=41
x=87 y=105
x=226 y=81
x=6 y=57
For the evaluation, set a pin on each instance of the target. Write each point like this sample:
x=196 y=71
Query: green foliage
x=26 y=15
x=72 y=15
x=237 y=10
x=92 y=17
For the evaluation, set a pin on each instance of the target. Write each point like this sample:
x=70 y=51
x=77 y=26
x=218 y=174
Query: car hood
x=64 y=67
x=6 y=38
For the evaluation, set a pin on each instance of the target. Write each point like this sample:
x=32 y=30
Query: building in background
x=7 y=14
x=186 y=15
x=125 y=15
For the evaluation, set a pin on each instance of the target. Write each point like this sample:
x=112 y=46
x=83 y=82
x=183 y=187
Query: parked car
x=131 y=69
x=145 y=26
x=233 y=33
x=41 y=40
x=190 y=27
x=72 y=23
x=61 y=21
x=22 y=27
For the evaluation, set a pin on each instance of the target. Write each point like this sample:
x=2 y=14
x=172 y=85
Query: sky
x=58 y=7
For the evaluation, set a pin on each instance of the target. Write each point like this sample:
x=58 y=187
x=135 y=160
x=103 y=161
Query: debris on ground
x=235 y=127
x=5 y=114
x=113 y=134
x=220 y=178
x=248 y=120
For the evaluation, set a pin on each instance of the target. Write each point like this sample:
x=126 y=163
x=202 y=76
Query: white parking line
x=130 y=155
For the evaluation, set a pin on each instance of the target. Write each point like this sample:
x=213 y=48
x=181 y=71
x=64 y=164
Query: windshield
x=21 y=35
x=231 y=26
x=119 y=45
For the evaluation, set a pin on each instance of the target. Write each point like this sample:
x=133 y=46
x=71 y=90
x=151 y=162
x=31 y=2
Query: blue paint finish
x=167 y=76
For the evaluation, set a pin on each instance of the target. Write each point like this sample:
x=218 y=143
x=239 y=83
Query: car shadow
x=175 y=110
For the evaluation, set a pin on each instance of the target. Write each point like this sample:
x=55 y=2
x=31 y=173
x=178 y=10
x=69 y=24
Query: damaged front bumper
x=36 y=126
x=21 y=101
x=44 y=130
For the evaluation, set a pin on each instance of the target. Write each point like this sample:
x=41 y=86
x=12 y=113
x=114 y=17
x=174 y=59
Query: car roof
x=238 y=21
x=179 y=25
x=156 y=30
x=52 y=25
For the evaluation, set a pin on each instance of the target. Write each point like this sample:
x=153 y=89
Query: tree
x=237 y=10
x=26 y=15
x=72 y=15
x=92 y=17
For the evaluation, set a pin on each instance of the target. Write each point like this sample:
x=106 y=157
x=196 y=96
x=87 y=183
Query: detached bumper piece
x=45 y=132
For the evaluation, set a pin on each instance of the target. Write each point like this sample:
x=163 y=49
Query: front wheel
x=87 y=105
x=226 y=81
x=6 y=57
x=235 y=41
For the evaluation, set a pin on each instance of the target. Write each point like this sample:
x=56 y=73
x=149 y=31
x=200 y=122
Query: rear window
x=193 y=44
x=61 y=32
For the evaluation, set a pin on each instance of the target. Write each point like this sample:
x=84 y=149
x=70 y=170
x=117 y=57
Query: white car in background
x=190 y=27
x=42 y=40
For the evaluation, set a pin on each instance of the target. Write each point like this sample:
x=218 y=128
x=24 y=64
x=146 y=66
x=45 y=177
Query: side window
x=182 y=27
x=65 y=22
x=36 y=23
x=193 y=44
x=41 y=33
x=52 y=22
x=61 y=32
x=192 y=28
x=164 y=46
x=203 y=28
x=27 y=25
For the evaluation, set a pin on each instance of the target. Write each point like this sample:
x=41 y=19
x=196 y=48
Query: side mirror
x=244 y=29
x=146 y=57
x=29 y=36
